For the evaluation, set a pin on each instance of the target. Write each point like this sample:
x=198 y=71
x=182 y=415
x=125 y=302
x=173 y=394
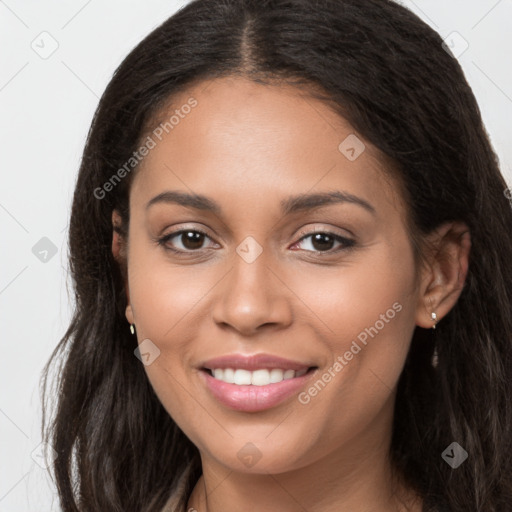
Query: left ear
x=444 y=275
x=119 y=249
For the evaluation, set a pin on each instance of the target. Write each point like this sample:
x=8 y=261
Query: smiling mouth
x=259 y=377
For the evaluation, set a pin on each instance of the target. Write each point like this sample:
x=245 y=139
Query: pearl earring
x=434 y=319
x=132 y=328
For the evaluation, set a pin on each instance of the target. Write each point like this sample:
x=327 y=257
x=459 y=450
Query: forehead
x=259 y=143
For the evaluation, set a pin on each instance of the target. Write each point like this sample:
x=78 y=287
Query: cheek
x=366 y=296
x=167 y=306
x=366 y=314
x=165 y=296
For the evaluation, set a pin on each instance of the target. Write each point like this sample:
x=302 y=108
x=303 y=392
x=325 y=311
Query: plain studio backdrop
x=57 y=58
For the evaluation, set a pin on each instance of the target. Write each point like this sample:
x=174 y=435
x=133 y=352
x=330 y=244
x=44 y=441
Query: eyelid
x=324 y=229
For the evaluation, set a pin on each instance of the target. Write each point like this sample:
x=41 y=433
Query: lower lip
x=253 y=398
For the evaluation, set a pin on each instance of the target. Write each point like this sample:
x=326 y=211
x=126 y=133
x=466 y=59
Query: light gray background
x=46 y=108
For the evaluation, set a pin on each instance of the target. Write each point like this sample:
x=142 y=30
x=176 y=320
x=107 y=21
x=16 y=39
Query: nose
x=252 y=296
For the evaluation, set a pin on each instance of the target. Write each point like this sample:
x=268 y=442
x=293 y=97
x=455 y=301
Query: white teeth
x=228 y=375
x=261 y=377
x=276 y=375
x=242 y=377
x=289 y=374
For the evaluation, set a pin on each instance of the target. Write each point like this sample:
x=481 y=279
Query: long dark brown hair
x=387 y=73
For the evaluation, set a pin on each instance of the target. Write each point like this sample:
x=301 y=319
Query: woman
x=291 y=252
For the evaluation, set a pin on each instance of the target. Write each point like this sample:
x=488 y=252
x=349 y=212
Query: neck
x=357 y=476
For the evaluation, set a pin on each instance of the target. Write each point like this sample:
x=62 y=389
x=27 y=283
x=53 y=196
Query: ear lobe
x=129 y=313
x=445 y=274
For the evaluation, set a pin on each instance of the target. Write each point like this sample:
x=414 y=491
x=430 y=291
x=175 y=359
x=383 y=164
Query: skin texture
x=248 y=146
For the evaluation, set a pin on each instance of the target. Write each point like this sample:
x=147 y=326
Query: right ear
x=117 y=242
x=119 y=253
x=129 y=313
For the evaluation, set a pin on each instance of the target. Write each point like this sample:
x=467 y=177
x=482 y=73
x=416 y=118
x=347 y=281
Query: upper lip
x=253 y=362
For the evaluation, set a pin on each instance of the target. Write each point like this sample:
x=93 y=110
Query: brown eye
x=185 y=240
x=192 y=239
x=320 y=241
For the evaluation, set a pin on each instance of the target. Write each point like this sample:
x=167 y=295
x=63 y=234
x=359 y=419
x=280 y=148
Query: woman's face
x=306 y=258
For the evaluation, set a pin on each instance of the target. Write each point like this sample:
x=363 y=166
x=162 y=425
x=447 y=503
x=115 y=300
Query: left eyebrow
x=309 y=201
x=290 y=205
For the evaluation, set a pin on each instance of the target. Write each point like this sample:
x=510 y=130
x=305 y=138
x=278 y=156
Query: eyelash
x=348 y=243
